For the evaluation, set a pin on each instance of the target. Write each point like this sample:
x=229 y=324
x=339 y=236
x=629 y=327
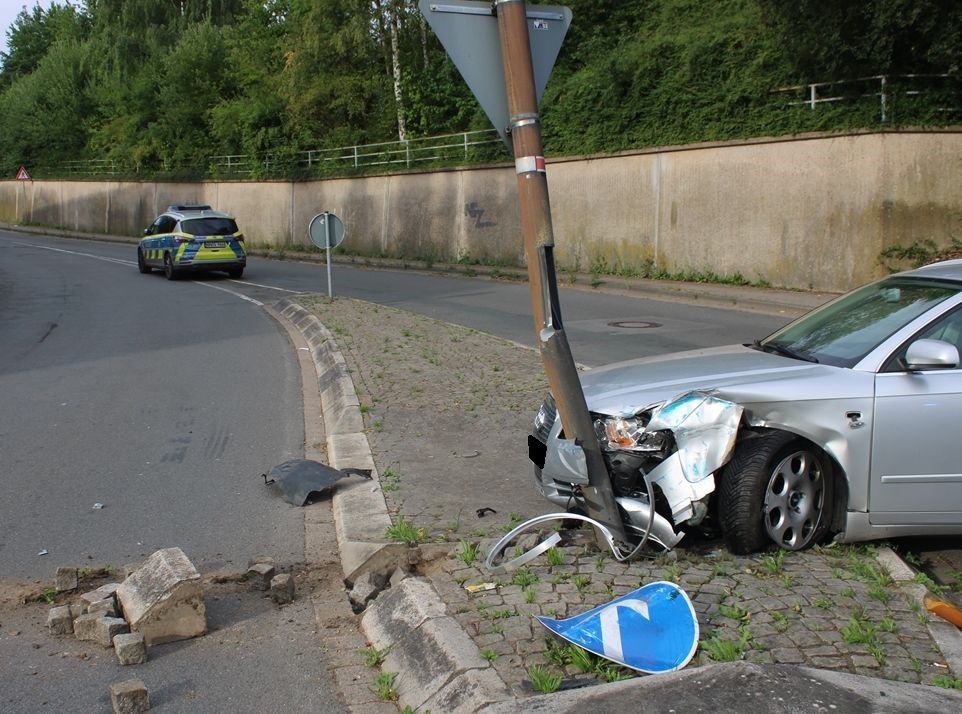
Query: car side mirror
x=146 y=231
x=930 y=354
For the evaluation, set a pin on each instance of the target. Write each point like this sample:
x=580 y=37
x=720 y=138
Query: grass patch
x=403 y=532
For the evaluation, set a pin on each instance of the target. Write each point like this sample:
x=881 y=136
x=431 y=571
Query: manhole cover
x=634 y=324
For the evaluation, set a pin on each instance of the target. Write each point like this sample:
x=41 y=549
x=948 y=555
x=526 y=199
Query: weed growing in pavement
x=933 y=587
x=581 y=582
x=543 y=679
x=556 y=653
x=529 y=595
x=582 y=659
x=373 y=657
x=733 y=612
x=779 y=621
x=554 y=557
x=467 y=552
x=384 y=686
x=772 y=564
x=404 y=532
x=721 y=649
x=49 y=595
x=946 y=682
x=489 y=655
x=847 y=592
x=524 y=577
x=880 y=593
x=822 y=603
x=365 y=409
x=887 y=624
x=391 y=478
x=611 y=673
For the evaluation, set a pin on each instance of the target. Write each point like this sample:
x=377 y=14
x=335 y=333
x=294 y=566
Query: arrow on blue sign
x=652 y=629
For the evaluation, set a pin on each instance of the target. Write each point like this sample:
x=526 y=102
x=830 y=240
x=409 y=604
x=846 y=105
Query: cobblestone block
x=259 y=576
x=107 y=627
x=60 y=620
x=130 y=648
x=129 y=697
x=106 y=607
x=85 y=627
x=66 y=579
x=282 y=589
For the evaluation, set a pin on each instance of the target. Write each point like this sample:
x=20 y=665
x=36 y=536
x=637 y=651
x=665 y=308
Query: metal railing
x=883 y=86
x=445 y=148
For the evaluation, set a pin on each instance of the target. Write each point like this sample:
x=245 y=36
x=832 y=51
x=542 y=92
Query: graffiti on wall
x=477 y=213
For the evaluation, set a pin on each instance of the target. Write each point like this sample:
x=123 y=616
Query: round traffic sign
x=326 y=227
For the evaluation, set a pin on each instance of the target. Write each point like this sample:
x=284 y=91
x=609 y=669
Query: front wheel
x=776 y=488
x=141 y=262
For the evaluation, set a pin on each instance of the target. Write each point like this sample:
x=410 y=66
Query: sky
x=9 y=9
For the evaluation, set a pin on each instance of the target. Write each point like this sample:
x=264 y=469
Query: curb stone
x=439 y=667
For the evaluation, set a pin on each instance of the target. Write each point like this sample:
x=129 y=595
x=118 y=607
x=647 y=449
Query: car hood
x=738 y=373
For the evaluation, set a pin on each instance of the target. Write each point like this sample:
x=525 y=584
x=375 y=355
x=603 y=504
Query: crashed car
x=843 y=423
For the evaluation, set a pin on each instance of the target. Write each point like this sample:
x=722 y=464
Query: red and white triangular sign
x=22 y=174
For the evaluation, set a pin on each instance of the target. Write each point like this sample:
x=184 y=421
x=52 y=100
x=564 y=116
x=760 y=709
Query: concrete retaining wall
x=807 y=213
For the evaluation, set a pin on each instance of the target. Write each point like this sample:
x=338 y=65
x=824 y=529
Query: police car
x=188 y=238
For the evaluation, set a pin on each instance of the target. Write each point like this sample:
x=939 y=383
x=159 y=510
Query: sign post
x=326 y=231
x=520 y=32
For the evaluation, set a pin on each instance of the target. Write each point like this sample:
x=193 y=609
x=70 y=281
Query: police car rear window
x=210 y=226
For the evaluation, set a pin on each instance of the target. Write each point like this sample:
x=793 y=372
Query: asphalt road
x=162 y=402
x=138 y=414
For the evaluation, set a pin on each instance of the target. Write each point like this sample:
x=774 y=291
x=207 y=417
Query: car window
x=163 y=224
x=947 y=328
x=849 y=328
x=209 y=226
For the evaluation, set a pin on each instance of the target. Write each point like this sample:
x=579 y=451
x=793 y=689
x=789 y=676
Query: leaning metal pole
x=538 y=235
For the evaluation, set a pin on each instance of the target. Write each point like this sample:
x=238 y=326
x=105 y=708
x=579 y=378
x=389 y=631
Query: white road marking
x=132 y=262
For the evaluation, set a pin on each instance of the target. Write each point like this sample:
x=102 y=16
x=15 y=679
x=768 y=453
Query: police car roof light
x=188 y=207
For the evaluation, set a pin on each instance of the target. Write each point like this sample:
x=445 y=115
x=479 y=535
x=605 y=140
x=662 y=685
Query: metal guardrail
x=815 y=92
x=441 y=148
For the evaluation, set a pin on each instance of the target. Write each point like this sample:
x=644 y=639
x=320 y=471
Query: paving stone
x=129 y=697
x=66 y=579
x=106 y=607
x=282 y=589
x=60 y=621
x=85 y=627
x=259 y=576
x=130 y=648
x=108 y=627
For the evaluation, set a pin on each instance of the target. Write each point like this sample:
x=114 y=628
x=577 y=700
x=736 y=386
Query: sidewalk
x=442 y=413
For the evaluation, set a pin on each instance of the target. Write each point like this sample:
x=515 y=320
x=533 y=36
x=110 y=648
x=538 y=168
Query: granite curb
x=439 y=666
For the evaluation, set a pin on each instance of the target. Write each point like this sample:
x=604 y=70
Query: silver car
x=846 y=422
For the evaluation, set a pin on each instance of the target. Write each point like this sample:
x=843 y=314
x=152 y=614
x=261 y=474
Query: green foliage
x=171 y=89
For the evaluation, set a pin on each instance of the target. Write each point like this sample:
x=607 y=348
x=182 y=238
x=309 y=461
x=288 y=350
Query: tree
x=34 y=32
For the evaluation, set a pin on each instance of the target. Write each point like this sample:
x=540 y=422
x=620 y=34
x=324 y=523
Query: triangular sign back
x=469 y=33
x=22 y=174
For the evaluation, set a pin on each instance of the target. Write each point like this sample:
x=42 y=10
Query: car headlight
x=618 y=433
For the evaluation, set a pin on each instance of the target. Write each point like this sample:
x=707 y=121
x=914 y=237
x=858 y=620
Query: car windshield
x=846 y=330
x=210 y=226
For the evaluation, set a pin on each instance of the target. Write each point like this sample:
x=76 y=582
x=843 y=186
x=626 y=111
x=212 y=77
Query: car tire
x=169 y=271
x=235 y=273
x=778 y=489
x=141 y=263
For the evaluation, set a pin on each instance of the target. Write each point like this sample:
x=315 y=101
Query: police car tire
x=235 y=273
x=141 y=263
x=169 y=271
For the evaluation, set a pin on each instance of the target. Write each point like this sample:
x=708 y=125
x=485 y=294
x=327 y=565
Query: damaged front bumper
x=674 y=447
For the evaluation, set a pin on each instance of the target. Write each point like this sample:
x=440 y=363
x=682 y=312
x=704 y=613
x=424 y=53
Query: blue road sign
x=652 y=629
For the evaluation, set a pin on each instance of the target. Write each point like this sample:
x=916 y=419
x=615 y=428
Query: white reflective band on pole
x=527 y=164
